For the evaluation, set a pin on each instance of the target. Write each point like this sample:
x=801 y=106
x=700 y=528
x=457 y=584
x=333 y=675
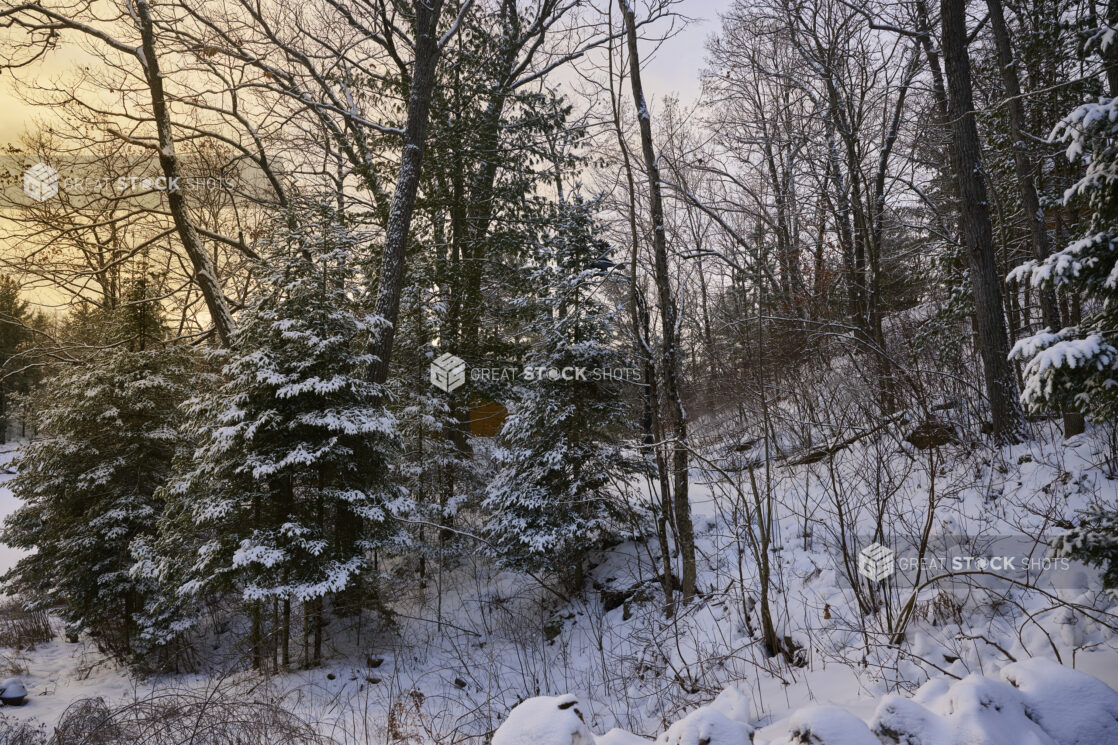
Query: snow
x=724 y=722
x=901 y=721
x=1036 y=702
x=706 y=726
x=545 y=720
x=8 y=504
x=987 y=712
x=620 y=665
x=1072 y=707
x=826 y=725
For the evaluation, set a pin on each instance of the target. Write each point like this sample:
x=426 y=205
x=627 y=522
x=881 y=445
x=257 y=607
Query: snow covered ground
x=472 y=642
x=1034 y=702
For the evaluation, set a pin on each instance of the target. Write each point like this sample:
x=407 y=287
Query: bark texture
x=407 y=182
x=974 y=218
x=205 y=274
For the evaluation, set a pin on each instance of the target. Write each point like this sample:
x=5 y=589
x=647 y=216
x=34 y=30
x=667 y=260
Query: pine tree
x=109 y=427
x=288 y=493
x=1076 y=368
x=550 y=502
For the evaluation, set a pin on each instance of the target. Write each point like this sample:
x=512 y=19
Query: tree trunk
x=205 y=273
x=638 y=311
x=1022 y=163
x=974 y=218
x=407 y=182
x=685 y=535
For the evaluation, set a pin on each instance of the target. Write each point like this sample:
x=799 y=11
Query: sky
x=674 y=68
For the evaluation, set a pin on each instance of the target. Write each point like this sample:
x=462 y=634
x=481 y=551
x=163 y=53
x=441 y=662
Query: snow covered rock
x=1073 y=708
x=545 y=720
x=725 y=721
x=980 y=711
x=901 y=721
x=13 y=692
x=827 y=725
x=705 y=726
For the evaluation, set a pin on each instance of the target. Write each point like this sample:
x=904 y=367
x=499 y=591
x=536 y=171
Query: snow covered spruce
x=1034 y=702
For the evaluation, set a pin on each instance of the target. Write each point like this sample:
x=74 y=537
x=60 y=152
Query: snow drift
x=1032 y=702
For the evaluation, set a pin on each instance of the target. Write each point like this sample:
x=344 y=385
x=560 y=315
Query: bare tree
x=670 y=352
x=974 y=217
x=1024 y=167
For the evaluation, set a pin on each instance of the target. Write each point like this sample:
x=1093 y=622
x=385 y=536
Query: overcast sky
x=677 y=64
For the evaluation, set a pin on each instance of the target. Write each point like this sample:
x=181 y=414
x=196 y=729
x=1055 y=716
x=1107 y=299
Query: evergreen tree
x=1076 y=368
x=89 y=484
x=288 y=493
x=550 y=502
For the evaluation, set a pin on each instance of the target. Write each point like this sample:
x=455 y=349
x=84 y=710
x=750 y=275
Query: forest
x=428 y=372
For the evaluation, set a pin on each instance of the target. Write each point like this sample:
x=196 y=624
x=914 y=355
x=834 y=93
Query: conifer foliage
x=550 y=501
x=286 y=497
x=109 y=428
x=1077 y=367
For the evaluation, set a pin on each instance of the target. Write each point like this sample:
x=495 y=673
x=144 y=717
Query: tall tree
x=670 y=354
x=288 y=493
x=428 y=46
x=1024 y=167
x=551 y=500
x=974 y=218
